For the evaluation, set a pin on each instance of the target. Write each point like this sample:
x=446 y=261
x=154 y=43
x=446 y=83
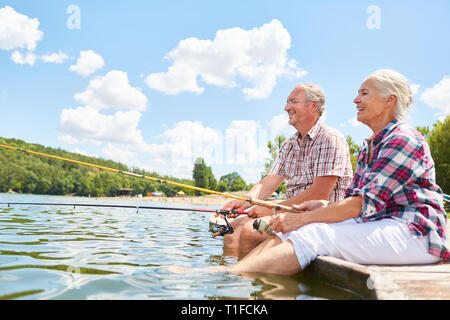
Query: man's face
x=299 y=110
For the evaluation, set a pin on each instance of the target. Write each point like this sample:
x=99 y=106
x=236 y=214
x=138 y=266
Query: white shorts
x=384 y=241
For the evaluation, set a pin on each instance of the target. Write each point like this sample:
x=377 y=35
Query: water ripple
x=95 y=253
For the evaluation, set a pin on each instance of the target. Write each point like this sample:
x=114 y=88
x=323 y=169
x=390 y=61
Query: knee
x=232 y=239
x=249 y=239
x=247 y=230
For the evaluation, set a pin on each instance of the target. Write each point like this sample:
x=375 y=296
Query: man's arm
x=261 y=190
x=319 y=190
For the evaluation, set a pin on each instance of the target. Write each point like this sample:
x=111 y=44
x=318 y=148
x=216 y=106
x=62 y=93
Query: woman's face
x=371 y=105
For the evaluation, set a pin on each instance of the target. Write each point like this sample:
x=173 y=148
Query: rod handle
x=272 y=205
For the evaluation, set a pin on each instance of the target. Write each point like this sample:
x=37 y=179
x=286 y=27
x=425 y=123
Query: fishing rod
x=217 y=229
x=137 y=207
x=267 y=204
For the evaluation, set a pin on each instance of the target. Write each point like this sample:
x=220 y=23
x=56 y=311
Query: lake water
x=58 y=252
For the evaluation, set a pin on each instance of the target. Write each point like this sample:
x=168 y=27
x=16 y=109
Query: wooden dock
x=415 y=282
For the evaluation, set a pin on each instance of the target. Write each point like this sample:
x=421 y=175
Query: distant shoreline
x=203 y=200
x=210 y=199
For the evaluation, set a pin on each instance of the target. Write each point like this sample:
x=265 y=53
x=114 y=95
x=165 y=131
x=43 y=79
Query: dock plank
x=386 y=282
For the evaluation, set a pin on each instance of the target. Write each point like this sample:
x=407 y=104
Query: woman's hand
x=286 y=222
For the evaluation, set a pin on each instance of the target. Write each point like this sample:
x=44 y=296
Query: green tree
x=439 y=141
x=425 y=131
x=274 y=148
x=203 y=176
x=232 y=182
x=354 y=151
x=23 y=172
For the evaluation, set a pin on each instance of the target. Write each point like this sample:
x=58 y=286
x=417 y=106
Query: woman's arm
x=335 y=212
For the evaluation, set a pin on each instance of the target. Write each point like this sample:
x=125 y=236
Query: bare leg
x=269 y=243
x=231 y=241
x=276 y=259
x=271 y=256
x=249 y=238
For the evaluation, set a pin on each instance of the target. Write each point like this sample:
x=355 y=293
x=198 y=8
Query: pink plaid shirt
x=323 y=151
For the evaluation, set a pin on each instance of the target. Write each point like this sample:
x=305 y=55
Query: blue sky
x=154 y=84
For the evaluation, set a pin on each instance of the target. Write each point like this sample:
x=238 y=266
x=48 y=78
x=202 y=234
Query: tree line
x=24 y=173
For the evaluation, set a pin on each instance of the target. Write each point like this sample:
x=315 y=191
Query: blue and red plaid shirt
x=399 y=182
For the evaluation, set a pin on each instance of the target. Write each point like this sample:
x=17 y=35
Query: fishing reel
x=221 y=229
x=261 y=225
x=221 y=226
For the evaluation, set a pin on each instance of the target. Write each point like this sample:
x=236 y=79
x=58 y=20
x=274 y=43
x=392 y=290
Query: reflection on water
x=51 y=252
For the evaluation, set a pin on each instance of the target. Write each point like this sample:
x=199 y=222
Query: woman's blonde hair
x=393 y=82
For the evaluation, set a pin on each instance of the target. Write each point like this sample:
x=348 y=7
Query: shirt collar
x=312 y=133
x=383 y=133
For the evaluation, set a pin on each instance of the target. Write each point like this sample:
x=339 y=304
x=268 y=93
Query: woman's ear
x=392 y=99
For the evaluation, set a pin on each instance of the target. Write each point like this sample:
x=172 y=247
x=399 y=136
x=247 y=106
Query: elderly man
x=315 y=162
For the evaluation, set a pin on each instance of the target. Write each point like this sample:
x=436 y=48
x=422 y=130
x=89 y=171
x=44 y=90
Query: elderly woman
x=393 y=210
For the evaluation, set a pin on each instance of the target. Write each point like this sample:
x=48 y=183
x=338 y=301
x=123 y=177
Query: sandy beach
x=203 y=200
x=210 y=199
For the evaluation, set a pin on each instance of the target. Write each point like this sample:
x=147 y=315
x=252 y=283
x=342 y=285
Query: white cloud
x=414 y=88
x=87 y=63
x=18 y=31
x=438 y=97
x=54 y=57
x=89 y=125
x=19 y=58
x=86 y=124
x=112 y=91
x=85 y=153
x=181 y=145
x=67 y=138
x=354 y=122
x=30 y=58
x=179 y=78
x=246 y=143
x=119 y=154
x=280 y=125
x=257 y=57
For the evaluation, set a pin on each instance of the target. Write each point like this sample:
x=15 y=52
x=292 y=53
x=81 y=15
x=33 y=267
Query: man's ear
x=315 y=105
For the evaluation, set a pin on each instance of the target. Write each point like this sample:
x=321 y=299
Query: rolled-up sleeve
x=279 y=165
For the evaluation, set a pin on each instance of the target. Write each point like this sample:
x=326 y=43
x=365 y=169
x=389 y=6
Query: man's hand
x=238 y=205
x=259 y=211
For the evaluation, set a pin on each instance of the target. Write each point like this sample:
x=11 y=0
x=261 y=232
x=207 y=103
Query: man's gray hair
x=392 y=82
x=314 y=93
